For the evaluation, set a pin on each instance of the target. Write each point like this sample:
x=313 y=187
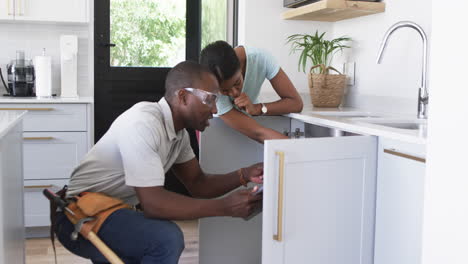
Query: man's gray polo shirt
x=137 y=150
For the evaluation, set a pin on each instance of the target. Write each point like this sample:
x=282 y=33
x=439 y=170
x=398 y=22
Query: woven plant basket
x=326 y=90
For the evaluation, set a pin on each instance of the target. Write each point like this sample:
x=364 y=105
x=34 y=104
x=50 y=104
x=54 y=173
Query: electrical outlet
x=349 y=70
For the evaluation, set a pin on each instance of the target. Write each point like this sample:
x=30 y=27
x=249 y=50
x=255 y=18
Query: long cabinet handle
x=279 y=228
x=27 y=108
x=38 y=138
x=404 y=155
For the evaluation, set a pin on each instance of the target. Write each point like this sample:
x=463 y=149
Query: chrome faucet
x=423 y=96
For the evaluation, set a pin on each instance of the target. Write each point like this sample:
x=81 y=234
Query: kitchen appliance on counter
x=69 y=65
x=21 y=77
x=43 y=64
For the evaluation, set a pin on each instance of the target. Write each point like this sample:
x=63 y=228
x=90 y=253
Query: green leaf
x=315 y=48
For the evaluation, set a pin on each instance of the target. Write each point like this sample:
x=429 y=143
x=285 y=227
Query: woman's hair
x=221 y=59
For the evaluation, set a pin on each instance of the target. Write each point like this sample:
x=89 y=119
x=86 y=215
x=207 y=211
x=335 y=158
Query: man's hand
x=242 y=203
x=254 y=173
x=244 y=103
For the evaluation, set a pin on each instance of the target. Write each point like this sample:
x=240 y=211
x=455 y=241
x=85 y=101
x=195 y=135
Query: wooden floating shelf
x=334 y=10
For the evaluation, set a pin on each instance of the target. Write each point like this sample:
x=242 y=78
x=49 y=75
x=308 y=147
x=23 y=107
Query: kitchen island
x=11 y=188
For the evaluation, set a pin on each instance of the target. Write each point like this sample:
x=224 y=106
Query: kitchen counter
x=8 y=120
x=342 y=119
x=52 y=100
x=11 y=187
x=356 y=120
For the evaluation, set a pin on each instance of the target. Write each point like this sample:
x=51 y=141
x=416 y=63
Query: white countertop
x=8 y=119
x=337 y=118
x=53 y=100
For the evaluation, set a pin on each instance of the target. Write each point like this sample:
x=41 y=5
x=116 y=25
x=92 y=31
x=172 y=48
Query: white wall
x=398 y=76
x=261 y=26
x=33 y=37
x=445 y=229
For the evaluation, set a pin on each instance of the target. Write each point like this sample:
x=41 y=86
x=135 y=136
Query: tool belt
x=97 y=205
x=88 y=204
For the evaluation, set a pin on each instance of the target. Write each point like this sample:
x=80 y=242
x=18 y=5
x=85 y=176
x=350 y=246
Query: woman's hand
x=254 y=173
x=244 y=103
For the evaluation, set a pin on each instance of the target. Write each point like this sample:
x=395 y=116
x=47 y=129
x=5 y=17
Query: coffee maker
x=21 y=77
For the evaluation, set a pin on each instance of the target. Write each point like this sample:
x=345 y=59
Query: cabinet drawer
x=52 y=155
x=36 y=205
x=52 y=117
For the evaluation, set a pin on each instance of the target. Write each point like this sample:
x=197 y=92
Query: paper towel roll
x=43 y=69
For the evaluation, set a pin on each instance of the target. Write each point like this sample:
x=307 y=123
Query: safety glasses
x=205 y=97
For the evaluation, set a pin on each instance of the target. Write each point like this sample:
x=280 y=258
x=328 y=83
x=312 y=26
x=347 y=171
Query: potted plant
x=326 y=90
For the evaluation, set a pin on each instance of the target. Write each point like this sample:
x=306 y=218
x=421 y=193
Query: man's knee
x=170 y=239
x=175 y=238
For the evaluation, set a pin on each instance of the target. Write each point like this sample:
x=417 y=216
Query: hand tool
x=57 y=200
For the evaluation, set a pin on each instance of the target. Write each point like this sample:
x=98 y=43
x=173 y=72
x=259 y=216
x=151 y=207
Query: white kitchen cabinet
x=328 y=197
x=399 y=206
x=319 y=200
x=52 y=155
x=11 y=196
x=231 y=240
x=56 y=136
x=75 y=11
x=36 y=206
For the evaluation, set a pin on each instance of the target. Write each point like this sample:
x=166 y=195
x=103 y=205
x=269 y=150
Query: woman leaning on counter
x=241 y=72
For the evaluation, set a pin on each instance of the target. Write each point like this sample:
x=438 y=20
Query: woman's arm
x=249 y=127
x=290 y=101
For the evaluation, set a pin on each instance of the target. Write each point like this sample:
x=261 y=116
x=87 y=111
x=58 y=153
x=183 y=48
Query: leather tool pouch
x=96 y=205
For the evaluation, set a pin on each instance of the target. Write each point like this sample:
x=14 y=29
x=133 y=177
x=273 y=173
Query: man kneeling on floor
x=129 y=163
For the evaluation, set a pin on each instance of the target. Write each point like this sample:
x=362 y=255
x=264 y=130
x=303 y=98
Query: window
x=147 y=33
x=214 y=21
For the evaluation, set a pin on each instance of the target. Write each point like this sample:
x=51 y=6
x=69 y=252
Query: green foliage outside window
x=214 y=21
x=145 y=32
x=151 y=33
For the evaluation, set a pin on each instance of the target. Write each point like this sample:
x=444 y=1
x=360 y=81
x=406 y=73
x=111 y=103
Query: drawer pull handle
x=39 y=186
x=403 y=155
x=27 y=108
x=38 y=138
x=279 y=235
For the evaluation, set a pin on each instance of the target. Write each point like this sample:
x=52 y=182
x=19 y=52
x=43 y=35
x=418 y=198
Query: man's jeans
x=134 y=238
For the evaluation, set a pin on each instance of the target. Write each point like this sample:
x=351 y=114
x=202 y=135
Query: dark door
x=135 y=45
x=147 y=44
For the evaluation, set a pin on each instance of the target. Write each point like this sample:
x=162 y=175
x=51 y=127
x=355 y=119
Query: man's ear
x=182 y=97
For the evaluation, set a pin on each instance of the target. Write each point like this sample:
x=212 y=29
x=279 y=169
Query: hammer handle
x=104 y=249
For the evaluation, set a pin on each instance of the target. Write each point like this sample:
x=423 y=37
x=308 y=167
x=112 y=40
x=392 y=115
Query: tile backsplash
x=33 y=38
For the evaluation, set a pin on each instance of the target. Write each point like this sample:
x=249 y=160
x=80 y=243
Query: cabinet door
x=229 y=240
x=11 y=197
x=319 y=200
x=52 y=117
x=52 y=155
x=400 y=194
x=36 y=205
x=7 y=9
x=52 y=10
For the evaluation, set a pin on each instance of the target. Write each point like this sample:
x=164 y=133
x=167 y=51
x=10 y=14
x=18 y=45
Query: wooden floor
x=39 y=250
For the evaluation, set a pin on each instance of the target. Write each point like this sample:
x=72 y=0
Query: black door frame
x=104 y=74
